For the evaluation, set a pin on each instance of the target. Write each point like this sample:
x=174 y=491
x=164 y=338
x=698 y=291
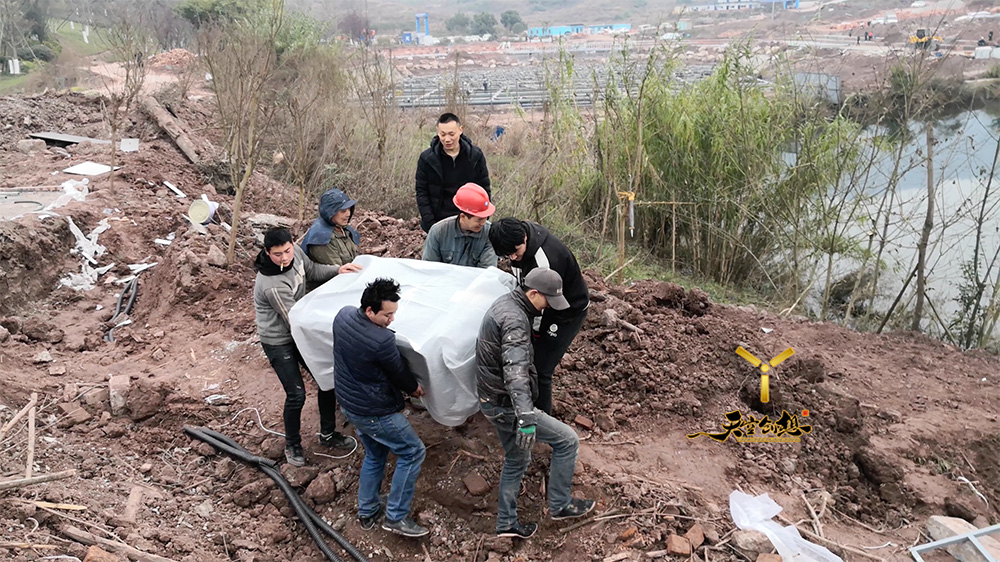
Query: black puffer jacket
x=505 y=357
x=434 y=195
x=369 y=375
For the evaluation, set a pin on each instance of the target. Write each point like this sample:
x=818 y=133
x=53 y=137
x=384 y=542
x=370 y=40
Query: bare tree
x=374 y=87
x=243 y=62
x=313 y=106
x=131 y=41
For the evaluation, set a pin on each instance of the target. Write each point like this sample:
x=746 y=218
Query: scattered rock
x=73 y=413
x=670 y=295
x=43 y=357
x=203 y=449
x=118 y=390
x=30 y=145
x=114 y=430
x=876 y=466
x=322 y=489
x=4 y=334
x=695 y=535
x=96 y=553
x=584 y=422
x=628 y=533
x=605 y=422
x=145 y=468
x=204 y=509
x=766 y=557
x=252 y=493
x=697 y=302
x=96 y=397
x=158 y=355
x=12 y=324
x=955 y=507
x=753 y=542
x=273 y=448
x=940 y=527
x=145 y=401
x=57 y=370
x=476 y=484
x=678 y=545
x=299 y=476
x=215 y=257
x=42 y=331
x=711 y=533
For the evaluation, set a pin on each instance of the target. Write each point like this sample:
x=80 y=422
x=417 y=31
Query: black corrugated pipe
x=313 y=522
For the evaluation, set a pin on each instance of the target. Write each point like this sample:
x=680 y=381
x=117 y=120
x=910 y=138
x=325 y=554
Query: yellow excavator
x=924 y=40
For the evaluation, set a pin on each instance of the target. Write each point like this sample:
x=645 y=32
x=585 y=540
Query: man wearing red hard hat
x=464 y=239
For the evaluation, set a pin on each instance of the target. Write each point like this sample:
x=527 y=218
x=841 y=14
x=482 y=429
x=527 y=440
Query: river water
x=962 y=158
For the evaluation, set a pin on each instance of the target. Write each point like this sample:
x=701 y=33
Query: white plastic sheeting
x=754 y=513
x=440 y=310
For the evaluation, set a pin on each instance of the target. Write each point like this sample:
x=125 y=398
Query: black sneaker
x=519 y=531
x=295 y=455
x=406 y=527
x=336 y=440
x=368 y=523
x=576 y=508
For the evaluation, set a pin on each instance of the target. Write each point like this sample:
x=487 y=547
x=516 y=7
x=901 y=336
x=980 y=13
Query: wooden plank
x=12 y=484
x=81 y=536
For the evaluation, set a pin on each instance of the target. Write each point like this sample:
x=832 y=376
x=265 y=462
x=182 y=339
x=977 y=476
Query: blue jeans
x=380 y=435
x=565 y=444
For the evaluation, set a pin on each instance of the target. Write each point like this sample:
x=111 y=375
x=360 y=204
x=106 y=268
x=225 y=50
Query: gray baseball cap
x=548 y=283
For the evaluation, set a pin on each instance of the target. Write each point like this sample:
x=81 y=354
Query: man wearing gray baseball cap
x=508 y=386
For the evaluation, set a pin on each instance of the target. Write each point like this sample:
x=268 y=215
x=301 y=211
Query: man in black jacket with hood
x=528 y=246
x=282 y=270
x=451 y=162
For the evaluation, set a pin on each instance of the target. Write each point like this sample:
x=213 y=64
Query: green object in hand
x=525 y=438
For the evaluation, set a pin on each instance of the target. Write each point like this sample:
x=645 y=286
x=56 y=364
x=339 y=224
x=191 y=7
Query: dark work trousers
x=551 y=342
x=286 y=359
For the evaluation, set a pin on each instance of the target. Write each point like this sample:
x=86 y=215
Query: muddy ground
x=896 y=419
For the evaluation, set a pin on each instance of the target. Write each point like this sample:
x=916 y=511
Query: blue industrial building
x=572 y=29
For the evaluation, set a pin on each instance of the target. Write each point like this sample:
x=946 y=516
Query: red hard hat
x=473 y=200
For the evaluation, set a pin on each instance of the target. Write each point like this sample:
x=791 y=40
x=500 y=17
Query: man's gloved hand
x=525 y=438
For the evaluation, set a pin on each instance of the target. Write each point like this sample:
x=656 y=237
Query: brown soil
x=896 y=419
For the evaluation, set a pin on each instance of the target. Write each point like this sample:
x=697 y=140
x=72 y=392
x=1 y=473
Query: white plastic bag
x=754 y=514
x=440 y=310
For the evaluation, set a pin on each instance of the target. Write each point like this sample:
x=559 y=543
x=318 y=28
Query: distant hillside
x=397 y=15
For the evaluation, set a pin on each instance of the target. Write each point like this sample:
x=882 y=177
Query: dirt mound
x=34 y=257
x=60 y=112
x=178 y=58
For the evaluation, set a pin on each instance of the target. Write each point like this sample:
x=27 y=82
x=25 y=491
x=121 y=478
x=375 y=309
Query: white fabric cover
x=440 y=310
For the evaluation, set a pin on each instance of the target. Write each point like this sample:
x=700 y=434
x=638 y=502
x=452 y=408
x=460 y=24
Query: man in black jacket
x=529 y=245
x=507 y=384
x=451 y=162
x=369 y=378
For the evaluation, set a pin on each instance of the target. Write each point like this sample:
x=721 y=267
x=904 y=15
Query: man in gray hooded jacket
x=282 y=269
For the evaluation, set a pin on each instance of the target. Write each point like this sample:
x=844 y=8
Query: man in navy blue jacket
x=369 y=378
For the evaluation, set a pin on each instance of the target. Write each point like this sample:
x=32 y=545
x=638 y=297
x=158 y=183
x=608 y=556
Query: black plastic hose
x=132 y=290
x=268 y=464
x=313 y=522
